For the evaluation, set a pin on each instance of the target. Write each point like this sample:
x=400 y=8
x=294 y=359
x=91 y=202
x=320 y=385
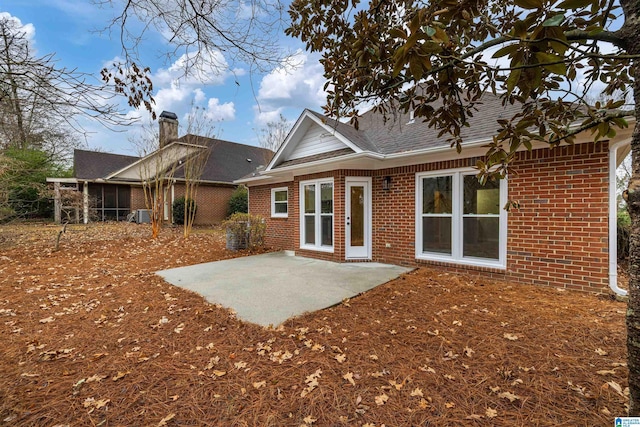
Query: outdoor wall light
x=386 y=183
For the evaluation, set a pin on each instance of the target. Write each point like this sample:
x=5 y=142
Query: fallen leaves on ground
x=91 y=336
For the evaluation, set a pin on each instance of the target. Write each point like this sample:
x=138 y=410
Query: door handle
x=348 y=221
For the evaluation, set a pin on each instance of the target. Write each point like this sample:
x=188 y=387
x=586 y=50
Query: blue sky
x=68 y=29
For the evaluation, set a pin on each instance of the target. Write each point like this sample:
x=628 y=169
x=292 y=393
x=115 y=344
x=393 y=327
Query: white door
x=358 y=218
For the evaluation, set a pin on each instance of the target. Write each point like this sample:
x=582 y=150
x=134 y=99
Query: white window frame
x=274 y=214
x=318 y=216
x=457 y=238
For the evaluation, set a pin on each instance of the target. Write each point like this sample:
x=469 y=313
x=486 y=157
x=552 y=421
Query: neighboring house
x=397 y=193
x=111 y=184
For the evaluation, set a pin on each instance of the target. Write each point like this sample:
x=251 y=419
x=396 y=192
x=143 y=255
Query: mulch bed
x=91 y=336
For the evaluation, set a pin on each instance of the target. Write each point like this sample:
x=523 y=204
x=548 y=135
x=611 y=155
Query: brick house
x=397 y=193
x=111 y=184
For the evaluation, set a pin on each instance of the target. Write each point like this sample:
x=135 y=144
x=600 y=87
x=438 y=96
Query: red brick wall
x=212 y=202
x=558 y=236
x=137 y=198
x=280 y=231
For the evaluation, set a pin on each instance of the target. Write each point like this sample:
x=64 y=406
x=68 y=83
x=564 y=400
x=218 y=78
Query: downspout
x=85 y=202
x=173 y=198
x=613 y=215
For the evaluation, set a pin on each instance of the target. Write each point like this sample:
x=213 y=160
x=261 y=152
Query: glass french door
x=358 y=218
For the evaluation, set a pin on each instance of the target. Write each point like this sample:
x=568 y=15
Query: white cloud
x=220 y=112
x=298 y=83
x=28 y=30
x=207 y=69
x=174 y=97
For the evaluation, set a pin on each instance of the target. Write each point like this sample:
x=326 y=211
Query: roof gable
x=315 y=135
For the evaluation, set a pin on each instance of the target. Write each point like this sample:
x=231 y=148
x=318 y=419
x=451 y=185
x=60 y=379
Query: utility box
x=143 y=216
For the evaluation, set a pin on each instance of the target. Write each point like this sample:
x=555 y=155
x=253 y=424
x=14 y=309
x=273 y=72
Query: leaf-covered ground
x=92 y=337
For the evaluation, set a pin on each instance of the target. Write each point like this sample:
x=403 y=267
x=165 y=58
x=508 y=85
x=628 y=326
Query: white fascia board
x=287 y=141
x=252 y=179
x=63 y=180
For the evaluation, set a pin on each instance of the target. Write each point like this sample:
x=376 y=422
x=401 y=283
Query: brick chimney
x=168 y=123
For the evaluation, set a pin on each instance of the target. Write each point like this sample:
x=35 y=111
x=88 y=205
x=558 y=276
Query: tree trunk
x=14 y=100
x=633 y=308
x=630 y=33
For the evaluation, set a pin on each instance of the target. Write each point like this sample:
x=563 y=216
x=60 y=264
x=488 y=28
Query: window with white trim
x=280 y=202
x=316 y=215
x=460 y=220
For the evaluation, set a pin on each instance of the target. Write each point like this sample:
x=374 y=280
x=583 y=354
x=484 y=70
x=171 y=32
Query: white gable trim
x=145 y=168
x=306 y=120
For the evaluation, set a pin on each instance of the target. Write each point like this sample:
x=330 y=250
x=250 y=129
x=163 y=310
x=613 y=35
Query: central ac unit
x=143 y=216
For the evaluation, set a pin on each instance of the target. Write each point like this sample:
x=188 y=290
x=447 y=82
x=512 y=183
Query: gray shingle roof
x=397 y=135
x=94 y=164
x=228 y=161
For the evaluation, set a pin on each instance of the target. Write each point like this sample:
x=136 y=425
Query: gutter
x=613 y=216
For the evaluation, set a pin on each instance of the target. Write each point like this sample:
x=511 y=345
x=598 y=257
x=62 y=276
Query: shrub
x=179 y=209
x=624 y=230
x=245 y=231
x=239 y=201
x=23 y=192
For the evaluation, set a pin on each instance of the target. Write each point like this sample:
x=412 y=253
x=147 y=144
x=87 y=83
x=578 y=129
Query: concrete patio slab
x=270 y=288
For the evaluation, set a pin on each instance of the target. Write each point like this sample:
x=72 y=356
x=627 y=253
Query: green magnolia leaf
x=529 y=4
x=430 y=47
x=554 y=21
x=505 y=50
x=426 y=63
x=441 y=36
x=399 y=58
x=551 y=62
x=415 y=66
x=558 y=47
x=513 y=79
x=611 y=104
x=397 y=68
x=515 y=144
x=621 y=122
x=398 y=33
